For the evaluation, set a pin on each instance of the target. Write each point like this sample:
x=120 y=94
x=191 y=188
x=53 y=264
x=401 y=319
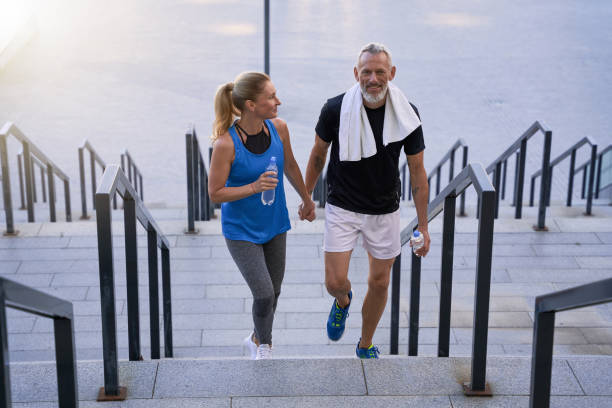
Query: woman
x=255 y=233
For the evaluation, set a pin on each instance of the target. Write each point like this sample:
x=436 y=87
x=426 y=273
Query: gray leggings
x=263 y=268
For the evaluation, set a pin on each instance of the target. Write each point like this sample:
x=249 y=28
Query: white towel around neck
x=355 y=136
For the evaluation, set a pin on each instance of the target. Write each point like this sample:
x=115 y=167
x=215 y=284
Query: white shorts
x=380 y=233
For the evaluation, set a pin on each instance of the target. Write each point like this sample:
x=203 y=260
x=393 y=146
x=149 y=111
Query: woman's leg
x=249 y=258
x=274 y=252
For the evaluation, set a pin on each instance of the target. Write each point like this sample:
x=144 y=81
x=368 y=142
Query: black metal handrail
x=584 y=167
x=26 y=299
x=472 y=174
x=94 y=158
x=199 y=205
x=319 y=193
x=437 y=172
x=29 y=150
x=114 y=181
x=133 y=173
x=571 y=152
x=43 y=171
x=520 y=148
x=544 y=329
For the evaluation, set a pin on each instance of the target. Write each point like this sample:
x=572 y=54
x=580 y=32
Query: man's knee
x=335 y=283
x=379 y=282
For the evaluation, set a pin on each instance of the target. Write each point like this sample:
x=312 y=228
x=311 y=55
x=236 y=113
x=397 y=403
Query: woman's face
x=267 y=102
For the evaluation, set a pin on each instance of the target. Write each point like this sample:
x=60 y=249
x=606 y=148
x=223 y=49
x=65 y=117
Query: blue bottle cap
x=416 y=233
x=273 y=158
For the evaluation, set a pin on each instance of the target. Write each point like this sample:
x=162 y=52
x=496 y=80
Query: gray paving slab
x=259 y=378
x=522 y=336
x=9 y=267
x=461 y=401
x=572 y=276
x=597 y=335
x=605 y=237
x=21 y=325
x=532 y=262
x=38 y=280
x=138 y=378
x=340 y=402
x=575 y=250
x=593 y=375
x=595 y=262
x=34 y=242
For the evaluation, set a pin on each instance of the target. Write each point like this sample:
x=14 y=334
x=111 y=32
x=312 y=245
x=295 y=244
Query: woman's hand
x=306 y=211
x=267 y=181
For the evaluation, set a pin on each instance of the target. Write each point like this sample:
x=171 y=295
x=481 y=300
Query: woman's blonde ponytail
x=225 y=111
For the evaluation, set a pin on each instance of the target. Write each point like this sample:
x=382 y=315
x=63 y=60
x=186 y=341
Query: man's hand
x=422 y=251
x=306 y=210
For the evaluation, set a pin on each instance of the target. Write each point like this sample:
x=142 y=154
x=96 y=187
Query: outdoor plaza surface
x=136 y=75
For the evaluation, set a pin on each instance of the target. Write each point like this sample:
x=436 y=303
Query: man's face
x=373 y=72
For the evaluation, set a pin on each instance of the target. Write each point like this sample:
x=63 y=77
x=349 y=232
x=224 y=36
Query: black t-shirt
x=370 y=185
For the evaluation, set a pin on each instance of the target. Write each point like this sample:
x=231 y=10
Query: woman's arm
x=293 y=172
x=220 y=166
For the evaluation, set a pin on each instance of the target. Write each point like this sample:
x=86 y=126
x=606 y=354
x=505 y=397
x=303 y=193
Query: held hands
x=267 y=181
x=422 y=251
x=306 y=210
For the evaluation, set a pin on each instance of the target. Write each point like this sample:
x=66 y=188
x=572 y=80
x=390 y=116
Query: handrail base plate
x=467 y=390
x=543 y=229
x=10 y=234
x=120 y=397
x=194 y=232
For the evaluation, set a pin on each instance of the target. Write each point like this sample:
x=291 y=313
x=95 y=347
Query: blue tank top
x=248 y=219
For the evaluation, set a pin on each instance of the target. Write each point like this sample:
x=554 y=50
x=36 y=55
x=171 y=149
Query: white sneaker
x=264 y=352
x=250 y=345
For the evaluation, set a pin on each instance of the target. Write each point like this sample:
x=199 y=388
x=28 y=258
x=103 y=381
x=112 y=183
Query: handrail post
x=111 y=389
x=584 y=182
x=541 y=362
x=503 y=183
x=190 y=192
x=518 y=210
x=27 y=166
x=131 y=277
x=65 y=356
x=395 y=304
x=404 y=186
x=67 y=200
x=196 y=178
x=545 y=182
x=438 y=181
x=153 y=293
x=42 y=184
x=478 y=385
x=497 y=182
x=51 y=193
x=570 y=182
x=92 y=164
x=446 y=276
x=451 y=166
x=516 y=172
x=203 y=189
x=5 y=370
x=598 y=182
x=463 y=166
x=167 y=301
x=20 y=173
x=6 y=189
x=589 y=203
x=531 y=191
x=550 y=177
x=415 y=296
x=84 y=215
x=267 y=36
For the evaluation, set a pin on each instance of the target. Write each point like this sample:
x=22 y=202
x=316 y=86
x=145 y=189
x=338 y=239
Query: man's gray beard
x=371 y=98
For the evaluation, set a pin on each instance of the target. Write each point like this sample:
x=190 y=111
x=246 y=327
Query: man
x=365 y=129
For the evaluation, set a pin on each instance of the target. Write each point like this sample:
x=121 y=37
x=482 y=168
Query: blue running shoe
x=337 y=319
x=370 y=352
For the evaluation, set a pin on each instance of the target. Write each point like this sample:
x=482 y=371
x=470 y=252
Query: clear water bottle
x=417 y=240
x=267 y=196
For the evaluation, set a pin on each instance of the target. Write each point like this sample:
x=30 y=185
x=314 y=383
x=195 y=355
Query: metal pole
x=167 y=300
x=570 y=182
x=395 y=303
x=598 y=182
x=131 y=276
x=5 y=369
x=33 y=181
x=6 y=191
x=94 y=184
x=203 y=189
x=67 y=200
x=415 y=296
x=584 y=181
x=196 y=178
x=153 y=293
x=107 y=295
x=446 y=276
x=497 y=182
x=141 y=188
x=438 y=180
x=65 y=360
x=190 y=193
x=52 y=214
x=589 y=203
x=42 y=184
x=404 y=187
x=27 y=166
x=267 y=36
x=84 y=215
x=541 y=360
x=516 y=172
x=531 y=191
x=503 y=183
x=545 y=181
x=464 y=165
x=550 y=176
x=518 y=210
x=20 y=172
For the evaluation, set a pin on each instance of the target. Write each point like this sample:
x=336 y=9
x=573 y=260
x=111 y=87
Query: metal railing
x=584 y=167
x=571 y=152
x=319 y=193
x=544 y=329
x=29 y=151
x=519 y=148
x=24 y=298
x=133 y=173
x=472 y=174
x=199 y=205
x=43 y=172
x=114 y=181
x=94 y=158
x=437 y=172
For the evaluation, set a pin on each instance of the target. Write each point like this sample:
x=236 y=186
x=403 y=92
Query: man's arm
x=420 y=193
x=316 y=163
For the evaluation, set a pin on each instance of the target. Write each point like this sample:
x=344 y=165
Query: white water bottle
x=417 y=240
x=267 y=196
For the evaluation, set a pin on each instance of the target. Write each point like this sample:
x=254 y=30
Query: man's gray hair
x=374 y=48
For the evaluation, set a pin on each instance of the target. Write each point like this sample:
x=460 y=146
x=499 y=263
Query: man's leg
x=336 y=276
x=375 y=299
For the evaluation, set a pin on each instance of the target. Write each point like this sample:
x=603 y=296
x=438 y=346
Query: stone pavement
x=419 y=382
